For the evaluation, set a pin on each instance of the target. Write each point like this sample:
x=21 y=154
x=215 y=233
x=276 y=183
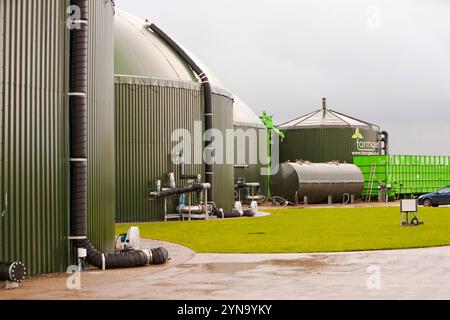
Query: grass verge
x=305 y=230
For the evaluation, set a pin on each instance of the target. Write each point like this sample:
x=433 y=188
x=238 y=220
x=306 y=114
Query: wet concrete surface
x=396 y=274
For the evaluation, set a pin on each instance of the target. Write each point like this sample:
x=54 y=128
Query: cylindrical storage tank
x=34 y=64
x=156 y=93
x=317 y=181
x=101 y=146
x=247 y=125
x=326 y=135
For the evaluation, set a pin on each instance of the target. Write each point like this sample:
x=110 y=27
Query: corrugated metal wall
x=321 y=144
x=223 y=173
x=253 y=172
x=33 y=104
x=146 y=115
x=101 y=153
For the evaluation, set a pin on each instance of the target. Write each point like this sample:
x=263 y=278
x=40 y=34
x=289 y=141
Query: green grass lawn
x=305 y=230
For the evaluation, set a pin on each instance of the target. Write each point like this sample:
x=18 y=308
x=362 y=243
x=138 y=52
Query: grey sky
x=387 y=62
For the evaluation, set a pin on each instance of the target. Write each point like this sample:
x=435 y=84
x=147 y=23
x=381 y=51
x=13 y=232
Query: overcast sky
x=386 y=62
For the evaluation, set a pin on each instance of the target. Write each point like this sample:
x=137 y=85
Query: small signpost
x=409 y=209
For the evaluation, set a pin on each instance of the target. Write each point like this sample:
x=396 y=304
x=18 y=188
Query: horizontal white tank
x=317 y=181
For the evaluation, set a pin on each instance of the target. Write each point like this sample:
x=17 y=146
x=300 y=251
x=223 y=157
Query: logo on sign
x=363 y=146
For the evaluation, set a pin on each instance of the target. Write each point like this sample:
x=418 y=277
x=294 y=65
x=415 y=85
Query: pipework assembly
x=208 y=100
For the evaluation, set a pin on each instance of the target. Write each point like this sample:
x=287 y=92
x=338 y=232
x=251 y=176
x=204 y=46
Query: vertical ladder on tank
x=373 y=172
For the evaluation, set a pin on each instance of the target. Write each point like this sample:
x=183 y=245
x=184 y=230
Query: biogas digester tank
x=156 y=94
x=317 y=181
x=34 y=150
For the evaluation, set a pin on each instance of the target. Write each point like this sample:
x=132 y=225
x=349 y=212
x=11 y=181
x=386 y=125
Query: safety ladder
x=373 y=173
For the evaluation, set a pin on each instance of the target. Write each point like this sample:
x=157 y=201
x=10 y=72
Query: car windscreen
x=444 y=191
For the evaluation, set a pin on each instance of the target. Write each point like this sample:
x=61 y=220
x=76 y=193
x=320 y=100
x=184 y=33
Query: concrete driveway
x=396 y=274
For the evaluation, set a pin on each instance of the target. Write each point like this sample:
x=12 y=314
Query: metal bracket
x=77 y=238
x=77 y=94
x=77 y=160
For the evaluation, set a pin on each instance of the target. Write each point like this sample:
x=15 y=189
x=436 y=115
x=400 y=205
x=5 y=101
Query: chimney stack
x=324 y=104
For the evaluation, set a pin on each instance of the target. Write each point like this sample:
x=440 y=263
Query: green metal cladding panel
x=223 y=173
x=34 y=152
x=146 y=116
x=33 y=223
x=407 y=174
x=101 y=144
x=327 y=144
x=253 y=172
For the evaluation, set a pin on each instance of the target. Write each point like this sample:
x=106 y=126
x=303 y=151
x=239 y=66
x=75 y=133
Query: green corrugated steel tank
x=406 y=174
x=34 y=142
x=326 y=135
x=245 y=119
x=157 y=93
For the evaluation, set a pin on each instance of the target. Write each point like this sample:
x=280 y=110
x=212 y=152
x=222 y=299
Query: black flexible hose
x=78 y=159
x=207 y=90
x=128 y=259
x=228 y=214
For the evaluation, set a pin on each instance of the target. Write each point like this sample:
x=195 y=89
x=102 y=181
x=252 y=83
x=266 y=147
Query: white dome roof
x=140 y=52
x=244 y=116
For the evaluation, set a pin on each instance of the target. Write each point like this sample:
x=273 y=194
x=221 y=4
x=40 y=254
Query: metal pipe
x=183 y=175
x=207 y=91
x=385 y=140
x=79 y=40
x=180 y=190
x=198 y=209
x=241 y=166
x=257 y=198
x=12 y=271
x=242 y=184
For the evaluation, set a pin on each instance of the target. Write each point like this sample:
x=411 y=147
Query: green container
x=406 y=174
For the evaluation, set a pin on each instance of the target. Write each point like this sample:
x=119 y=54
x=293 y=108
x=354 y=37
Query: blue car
x=436 y=199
